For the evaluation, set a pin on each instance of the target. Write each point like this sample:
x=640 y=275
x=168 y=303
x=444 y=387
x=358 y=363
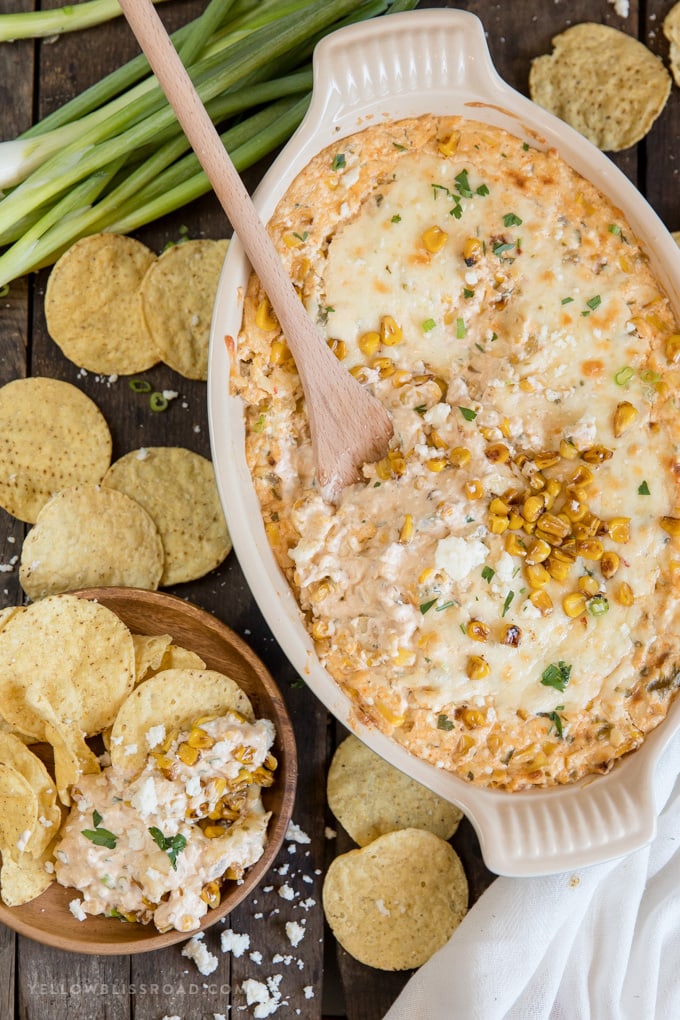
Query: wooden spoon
x=349 y=427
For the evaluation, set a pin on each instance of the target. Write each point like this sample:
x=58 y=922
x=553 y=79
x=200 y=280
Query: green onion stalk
x=114 y=157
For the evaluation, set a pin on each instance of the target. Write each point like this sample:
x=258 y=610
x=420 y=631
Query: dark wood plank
x=65 y=986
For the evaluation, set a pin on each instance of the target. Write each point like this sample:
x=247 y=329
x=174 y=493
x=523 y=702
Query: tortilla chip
x=602 y=82
x=92 y=305
x=52 y=436
x=177 y=488
x=370 y=797
x=23 y=879
x=149 y=652
x=177 y=296
x=173 y=698
x=72 y=654
x=90 y=536
x=13 y=752
x=671 y=29
x=395 y=902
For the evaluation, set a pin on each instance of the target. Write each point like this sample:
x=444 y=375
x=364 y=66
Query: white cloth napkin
x=600 y=942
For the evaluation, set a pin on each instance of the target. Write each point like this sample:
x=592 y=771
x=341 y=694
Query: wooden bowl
x=47 y=919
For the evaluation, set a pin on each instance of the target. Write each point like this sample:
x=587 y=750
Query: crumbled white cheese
x=75 y=906
x=458 y=556
x=286 y=892
x=196 y=950
x=265 y=997
x=382 y=909
x=144 y=799
x=234 y=943
x=296 y=834
x=295 y=933
x=309 y=991
x=155 y=736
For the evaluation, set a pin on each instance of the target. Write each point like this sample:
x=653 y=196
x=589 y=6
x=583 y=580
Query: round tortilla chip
x=52 y=436
x=671 y=29
x=23 y=879
x=395 y=902
x=177 y=296
x=370 y=797
x=174 y=698
x=72 y=655
x=177 y=488
x=13 y=752
x=676 y=237
x=90 y=536
x=602 y=82
x=92 y=305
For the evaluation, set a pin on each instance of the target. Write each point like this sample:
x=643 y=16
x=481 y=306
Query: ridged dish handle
x=442 y=52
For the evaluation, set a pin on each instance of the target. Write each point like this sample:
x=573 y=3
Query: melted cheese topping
x=500 y=593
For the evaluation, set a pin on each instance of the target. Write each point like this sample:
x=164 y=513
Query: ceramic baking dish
x=433 y=61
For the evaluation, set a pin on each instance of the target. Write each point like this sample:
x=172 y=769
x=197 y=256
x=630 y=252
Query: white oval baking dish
x=433 y=61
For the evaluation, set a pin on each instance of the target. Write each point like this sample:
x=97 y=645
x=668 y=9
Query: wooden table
x=37 y=981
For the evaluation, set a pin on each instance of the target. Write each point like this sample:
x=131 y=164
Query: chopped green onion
x=508 y=602
x=460 y=328
x=339 y=161
x=429 y=325
x=598 y=605
x=158 y=402
x=566 y=300
x=140 y=385
x=424 y=606
x=499 y=248
x=624 y=375
x=650 y=377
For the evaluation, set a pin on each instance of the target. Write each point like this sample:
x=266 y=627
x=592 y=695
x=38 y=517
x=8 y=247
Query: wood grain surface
x=39 y=981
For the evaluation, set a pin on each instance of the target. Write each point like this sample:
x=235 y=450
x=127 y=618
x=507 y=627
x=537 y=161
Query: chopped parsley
x=98 y=835
x=511 y=220
x=444 y=723
x=502 y=246
x=556 y=675
x=396 y=218
x=488 y=573
x=643 y=490
x=424 y=606
x=468 y=413
x=467 y=293
x=338 y=161
x=301 y=237
x=171 y=845
x=556 y=720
